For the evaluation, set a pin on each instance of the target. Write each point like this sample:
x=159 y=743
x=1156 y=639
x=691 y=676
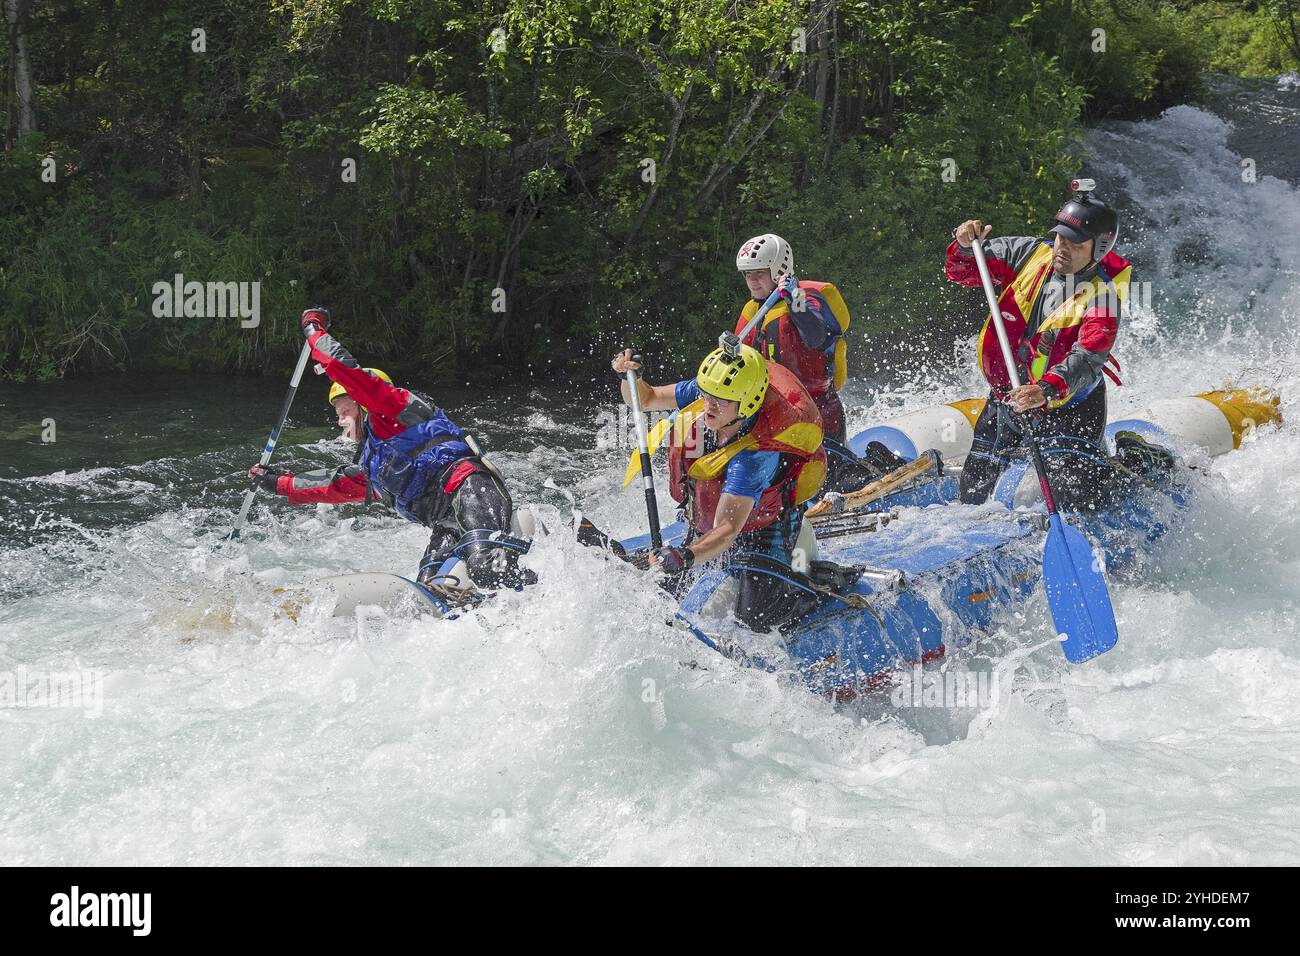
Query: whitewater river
x=560 y=725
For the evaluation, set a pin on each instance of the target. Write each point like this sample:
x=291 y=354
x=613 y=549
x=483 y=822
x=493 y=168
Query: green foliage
x=1133 y=58
x=594 y=161
x=1243 y=39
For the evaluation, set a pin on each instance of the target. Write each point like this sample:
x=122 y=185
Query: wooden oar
x=1076 y=590
x=832 y=505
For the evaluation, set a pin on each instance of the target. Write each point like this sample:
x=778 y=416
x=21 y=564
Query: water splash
x=572 y=724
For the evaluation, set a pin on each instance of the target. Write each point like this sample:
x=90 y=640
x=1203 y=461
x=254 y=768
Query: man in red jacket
x=1061 y=302
x=804 y=332
x=414 y=459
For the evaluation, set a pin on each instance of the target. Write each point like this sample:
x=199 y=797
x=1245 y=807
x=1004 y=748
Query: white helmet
x=768 y=250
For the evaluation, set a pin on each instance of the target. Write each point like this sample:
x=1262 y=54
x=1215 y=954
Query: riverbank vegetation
x=483 y=188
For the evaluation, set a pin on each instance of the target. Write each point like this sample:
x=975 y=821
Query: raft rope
x=448 y=587
x=492 y=537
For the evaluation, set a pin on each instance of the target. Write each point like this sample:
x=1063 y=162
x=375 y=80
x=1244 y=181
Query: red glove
x=315 y=319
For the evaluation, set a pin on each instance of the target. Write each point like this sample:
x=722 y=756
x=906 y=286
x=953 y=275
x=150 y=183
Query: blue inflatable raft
x=939 y=574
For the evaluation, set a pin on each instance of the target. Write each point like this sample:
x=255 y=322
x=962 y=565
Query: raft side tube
x=374 y=589
x=1215 y=422
x=674 y=533
x=948 y=429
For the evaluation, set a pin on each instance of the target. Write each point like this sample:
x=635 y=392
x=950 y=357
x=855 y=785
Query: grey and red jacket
x=1079 y=354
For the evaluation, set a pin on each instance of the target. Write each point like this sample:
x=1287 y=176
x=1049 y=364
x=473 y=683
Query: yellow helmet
x=736 y=375
x=337 y=390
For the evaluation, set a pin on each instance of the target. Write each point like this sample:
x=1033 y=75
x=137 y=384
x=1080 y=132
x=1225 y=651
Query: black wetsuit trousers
x=481 y=502
x=1071 y=440
x=766 y=598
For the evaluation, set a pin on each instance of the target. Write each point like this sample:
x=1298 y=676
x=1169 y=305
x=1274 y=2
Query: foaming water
x=573 y=724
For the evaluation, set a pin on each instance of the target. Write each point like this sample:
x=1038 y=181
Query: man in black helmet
x=1061 y=301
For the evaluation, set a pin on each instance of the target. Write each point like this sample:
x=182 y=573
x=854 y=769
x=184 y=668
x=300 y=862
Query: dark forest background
x=504 y=146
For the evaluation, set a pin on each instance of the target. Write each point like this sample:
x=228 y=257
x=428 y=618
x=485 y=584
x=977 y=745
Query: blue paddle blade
x=1076 y=593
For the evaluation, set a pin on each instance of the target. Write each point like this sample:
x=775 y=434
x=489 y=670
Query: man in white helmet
x=805 y=333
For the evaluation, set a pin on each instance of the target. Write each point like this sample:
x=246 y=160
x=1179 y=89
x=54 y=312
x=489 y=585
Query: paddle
x=647 y=474
x=835 y=504
x=269 y=449
x=1076 y=590
x=770 y=301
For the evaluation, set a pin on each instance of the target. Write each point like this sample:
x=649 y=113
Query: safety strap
x=1109 y=374
x=474 y=446
x=789 y=491
x=771 y=351
x=362 y=459
x=492 y=537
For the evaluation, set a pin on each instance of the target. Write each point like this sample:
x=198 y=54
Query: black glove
x=675 y=560
x=315 y=318
x=265 y=480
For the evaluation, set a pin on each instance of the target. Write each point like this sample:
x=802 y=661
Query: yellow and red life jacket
x=779 y=341
x=1058 y=331
x=788 y=423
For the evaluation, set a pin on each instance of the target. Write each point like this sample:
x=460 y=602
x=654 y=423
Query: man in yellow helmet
x=414 y=459
x=746 y=454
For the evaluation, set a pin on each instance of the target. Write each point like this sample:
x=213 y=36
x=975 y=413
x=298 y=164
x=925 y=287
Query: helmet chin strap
x=363 y=426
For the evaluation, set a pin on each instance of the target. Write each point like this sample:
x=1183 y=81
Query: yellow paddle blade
x=653 y=438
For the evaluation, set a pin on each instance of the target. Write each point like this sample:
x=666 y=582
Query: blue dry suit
x=414 y=473
x=401 y=469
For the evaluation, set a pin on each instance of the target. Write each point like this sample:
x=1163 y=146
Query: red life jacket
x=788 y=423
x=779 y=341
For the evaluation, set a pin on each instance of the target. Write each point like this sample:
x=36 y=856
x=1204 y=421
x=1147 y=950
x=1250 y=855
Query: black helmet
x=1086 y=217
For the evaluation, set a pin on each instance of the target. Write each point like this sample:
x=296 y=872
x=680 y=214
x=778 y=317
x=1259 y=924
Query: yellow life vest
x=1017 y=303
x=789 y=349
